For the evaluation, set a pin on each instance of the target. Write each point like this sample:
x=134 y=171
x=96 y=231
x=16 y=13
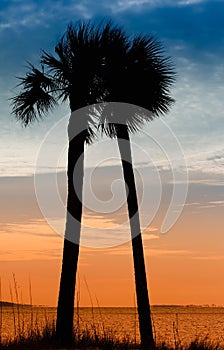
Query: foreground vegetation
x=90 y=339
x=28 y=331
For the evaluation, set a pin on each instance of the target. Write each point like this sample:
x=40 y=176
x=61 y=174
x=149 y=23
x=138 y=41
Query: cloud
x=217 y=202
x=30 y=14
x=150 y=229
x=105 y=230
x=211 y=204
x=191 y=2
x=151 y=252
x=27 y=14
x=124 y=5
x=191 y=204
x=5 y=26
x=209 y=257
x=29 y=255
x=217 y=157
x=138 y=5
x=37 y=228
x=24 y=241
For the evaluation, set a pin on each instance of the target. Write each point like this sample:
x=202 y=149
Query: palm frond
x=37 y=78
x=112 y=115
x=36 y=98
x=56 y=68
x=32 y=105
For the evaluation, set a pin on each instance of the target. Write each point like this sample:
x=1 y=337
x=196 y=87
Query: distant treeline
x=8 y=304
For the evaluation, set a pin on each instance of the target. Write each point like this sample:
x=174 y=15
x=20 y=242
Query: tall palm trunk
x=143 y=305
x=75 y=172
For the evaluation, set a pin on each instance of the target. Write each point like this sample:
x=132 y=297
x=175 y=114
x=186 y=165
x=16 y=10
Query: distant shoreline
x=10 y=304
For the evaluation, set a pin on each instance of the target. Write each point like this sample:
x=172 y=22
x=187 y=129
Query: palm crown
x=69 y=75
x=136 y=73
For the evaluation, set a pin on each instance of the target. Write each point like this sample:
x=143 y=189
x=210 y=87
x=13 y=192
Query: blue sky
x=188 y=140
x=192 y=33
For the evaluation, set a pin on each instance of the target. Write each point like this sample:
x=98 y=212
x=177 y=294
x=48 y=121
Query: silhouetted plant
x=138 y=74
x=71 y=74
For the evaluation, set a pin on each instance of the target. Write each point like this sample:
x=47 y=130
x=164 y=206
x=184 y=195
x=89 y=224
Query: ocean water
x=184 y=323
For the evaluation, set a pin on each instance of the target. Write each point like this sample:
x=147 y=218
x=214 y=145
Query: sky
x=178 y=159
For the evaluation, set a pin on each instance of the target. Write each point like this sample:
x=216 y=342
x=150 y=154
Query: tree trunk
x=75 y=172
x=145 y=323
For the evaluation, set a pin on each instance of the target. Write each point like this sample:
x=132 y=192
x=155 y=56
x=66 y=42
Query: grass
x=46 y=340
x=82 y=339
x=89 y=338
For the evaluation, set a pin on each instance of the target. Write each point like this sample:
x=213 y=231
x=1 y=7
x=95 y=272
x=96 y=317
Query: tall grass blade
x=31 y=306
x=101 y=316
x=91 y=300
x=13 y=310
x=17 y=302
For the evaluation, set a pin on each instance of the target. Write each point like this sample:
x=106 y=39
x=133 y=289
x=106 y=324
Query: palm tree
x=137 y=74
x=72 y=74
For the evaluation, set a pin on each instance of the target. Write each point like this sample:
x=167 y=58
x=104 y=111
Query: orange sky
x=184 y=266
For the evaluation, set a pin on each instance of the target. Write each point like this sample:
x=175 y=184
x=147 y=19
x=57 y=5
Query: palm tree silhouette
x=73 y=75
x=140 y=75
x=95 y=64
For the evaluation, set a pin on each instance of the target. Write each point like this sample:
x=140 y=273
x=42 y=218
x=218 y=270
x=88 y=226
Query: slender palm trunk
x=143 y=305
x=75 y=172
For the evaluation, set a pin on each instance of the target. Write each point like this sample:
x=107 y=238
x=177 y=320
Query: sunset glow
x=184 y=265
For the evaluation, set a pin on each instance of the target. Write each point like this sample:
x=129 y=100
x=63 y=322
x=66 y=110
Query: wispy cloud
x=29 y=254
x=209 y=257
x=31 y=14
x=37 y=228
x=191 y=2
x=151 y=252
x=27 y=14
x=217 y=202
x=136 y=5
x=191 y=204
x=25 y=241
x=211 y=204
